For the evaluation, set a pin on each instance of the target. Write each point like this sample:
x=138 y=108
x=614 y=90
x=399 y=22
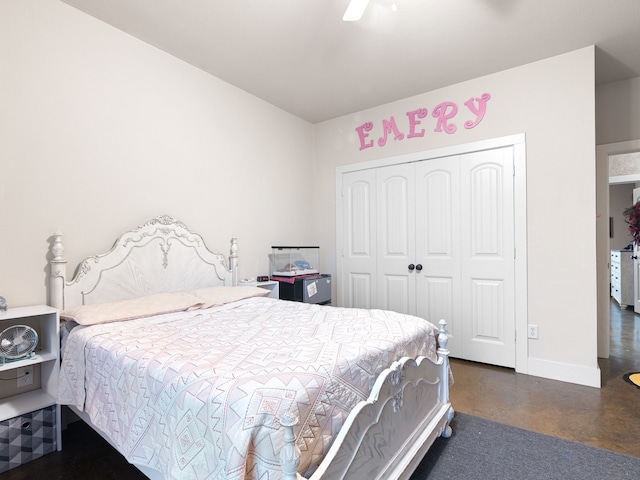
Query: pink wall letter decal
x=390 y=126
x=444 y=112
x=420 y=113
x=478 y=112
x=365 y=127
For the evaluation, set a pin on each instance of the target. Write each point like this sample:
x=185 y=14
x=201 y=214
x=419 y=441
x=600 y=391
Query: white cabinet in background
x=622 y=277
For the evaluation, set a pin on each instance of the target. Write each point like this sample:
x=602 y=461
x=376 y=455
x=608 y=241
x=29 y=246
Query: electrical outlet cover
x=25 y=376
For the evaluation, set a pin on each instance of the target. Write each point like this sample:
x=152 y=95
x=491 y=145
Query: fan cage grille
x=17 y=342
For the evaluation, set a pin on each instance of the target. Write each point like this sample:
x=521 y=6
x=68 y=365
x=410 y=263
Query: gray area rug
x=482 y=449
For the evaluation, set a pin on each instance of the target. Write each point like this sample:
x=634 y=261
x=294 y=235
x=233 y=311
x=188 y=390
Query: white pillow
x=146 y=306
x=215 y=296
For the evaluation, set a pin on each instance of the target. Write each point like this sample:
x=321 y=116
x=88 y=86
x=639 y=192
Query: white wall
x=617 y=111
x=100 y=132
x=552 y=102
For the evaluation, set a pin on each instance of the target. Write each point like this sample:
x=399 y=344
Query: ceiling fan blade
x=355 y=10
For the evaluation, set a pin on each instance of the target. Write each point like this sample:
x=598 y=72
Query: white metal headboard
x=162 y=255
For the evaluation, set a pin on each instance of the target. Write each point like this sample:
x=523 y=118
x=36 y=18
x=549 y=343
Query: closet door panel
x=435 y=302
x=358 y=286
x=396 y=238
x=394 y=290
x=438 y=244
x=488 y=263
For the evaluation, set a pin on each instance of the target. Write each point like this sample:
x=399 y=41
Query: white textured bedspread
x=199 y=395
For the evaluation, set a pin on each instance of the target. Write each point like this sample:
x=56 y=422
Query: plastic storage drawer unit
x=308 y=289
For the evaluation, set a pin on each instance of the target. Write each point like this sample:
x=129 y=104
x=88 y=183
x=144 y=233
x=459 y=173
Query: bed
x=191 y=376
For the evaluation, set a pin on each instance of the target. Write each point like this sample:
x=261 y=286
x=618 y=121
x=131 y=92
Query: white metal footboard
x=386 y=436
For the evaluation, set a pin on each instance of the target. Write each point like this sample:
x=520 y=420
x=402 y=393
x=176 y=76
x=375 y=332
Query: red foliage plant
x=632 y=217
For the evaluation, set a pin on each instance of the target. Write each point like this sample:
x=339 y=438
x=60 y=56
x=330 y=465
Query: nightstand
x=274 y=287
x=29 y=416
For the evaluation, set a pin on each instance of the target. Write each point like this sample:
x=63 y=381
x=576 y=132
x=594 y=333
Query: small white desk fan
x=17 y=342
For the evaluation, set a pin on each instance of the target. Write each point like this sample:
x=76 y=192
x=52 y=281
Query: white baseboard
x=565 y=372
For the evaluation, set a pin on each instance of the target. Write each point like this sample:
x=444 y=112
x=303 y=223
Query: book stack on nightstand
x=29 y=416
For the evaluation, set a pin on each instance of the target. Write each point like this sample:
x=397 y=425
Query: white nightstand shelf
x=271 y=285
x=35 y=359
x=25 y=403
x=30 y=404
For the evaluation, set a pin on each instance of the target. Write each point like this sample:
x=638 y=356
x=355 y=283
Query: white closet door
x=451 y=218
x=438 y=245
x=396 y=284
x=358 y=282
x=488 y=249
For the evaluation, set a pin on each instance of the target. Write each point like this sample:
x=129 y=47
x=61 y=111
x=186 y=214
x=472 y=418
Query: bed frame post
x=57 y=272
x=233 y=261
x=443 y=355
x=290 y=453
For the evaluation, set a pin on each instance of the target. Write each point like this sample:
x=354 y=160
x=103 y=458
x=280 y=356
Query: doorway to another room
x=624 y=311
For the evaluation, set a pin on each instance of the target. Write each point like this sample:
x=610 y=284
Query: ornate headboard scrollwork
x=161 y=255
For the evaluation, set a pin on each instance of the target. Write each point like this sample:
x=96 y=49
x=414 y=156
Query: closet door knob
x=634 y=257
x=412 y=266
x=419 y=267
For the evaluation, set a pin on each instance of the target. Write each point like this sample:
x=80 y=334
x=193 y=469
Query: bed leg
x=446 y=431
x=290 y=453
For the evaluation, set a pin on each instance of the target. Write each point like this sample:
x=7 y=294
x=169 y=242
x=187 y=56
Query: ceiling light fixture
x=355 y=10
